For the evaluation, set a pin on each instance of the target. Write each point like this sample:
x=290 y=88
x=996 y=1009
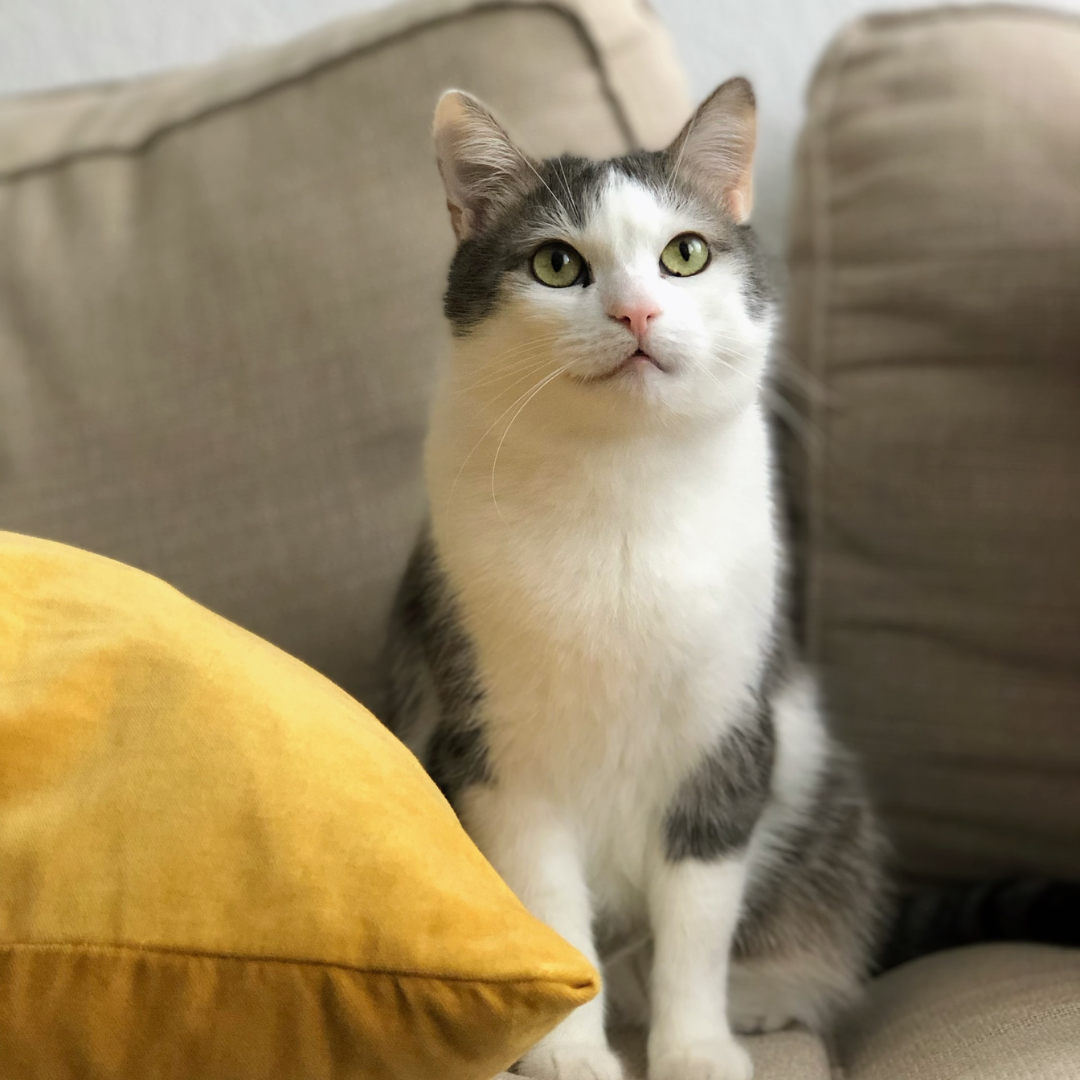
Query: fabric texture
x=796 y=1054
x=217 y=864
x=1001 y=1012
x=935 y=274
x=220 y=297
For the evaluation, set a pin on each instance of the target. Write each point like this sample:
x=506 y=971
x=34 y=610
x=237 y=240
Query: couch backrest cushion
x=220 y=296
x=936 y=304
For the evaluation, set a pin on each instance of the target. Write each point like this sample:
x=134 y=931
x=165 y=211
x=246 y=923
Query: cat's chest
x=665 y=554
x=616 y=639
x=614 y=669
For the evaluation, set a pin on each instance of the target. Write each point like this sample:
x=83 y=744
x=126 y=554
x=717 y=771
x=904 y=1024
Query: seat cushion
x=220 y=297
x=935 y=275
x=1000 y=1012
x=215 y=864
x=796 y=1054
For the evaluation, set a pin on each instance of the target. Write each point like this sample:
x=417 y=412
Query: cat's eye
x=557 y=265
x=685 y=256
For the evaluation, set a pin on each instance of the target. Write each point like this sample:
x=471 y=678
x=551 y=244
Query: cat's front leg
x=540 y=859
x=694 y=908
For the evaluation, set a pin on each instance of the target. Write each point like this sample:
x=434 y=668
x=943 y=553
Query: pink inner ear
x=738 y=202
x=457 y=218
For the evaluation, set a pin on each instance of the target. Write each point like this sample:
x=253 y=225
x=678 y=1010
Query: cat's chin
x=638 y=365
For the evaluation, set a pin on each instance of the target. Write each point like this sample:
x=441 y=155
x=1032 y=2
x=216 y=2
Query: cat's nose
x=636 y=316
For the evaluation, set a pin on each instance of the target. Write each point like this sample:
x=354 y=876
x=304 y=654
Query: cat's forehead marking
x=574 y=191
x=626 y=216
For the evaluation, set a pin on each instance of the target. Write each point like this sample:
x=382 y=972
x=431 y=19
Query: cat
x=589 y=651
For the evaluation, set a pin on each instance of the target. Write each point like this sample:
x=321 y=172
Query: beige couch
x=219 y=309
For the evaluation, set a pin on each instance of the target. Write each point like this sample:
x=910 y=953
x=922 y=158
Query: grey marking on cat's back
x=428 y=652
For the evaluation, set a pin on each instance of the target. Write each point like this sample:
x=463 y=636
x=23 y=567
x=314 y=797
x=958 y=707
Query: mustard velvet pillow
x=215 y=864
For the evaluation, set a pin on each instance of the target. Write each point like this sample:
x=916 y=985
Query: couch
x=220 y=309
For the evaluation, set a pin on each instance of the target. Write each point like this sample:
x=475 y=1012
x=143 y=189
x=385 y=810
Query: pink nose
x=636 y=316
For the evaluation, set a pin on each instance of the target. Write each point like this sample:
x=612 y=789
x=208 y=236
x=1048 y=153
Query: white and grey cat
x=589 y=651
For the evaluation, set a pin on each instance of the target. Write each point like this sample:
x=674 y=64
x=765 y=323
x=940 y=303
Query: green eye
x=685 y=256
x=557 y=265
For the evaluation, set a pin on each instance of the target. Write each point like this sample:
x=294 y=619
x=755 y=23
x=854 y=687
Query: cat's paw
x=720 y=1059
x=761 y=1022
x=584 y=1062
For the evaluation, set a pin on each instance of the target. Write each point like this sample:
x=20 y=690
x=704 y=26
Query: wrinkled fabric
x=217 y=864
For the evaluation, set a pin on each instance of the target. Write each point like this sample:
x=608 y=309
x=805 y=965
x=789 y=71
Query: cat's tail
x=935 y=917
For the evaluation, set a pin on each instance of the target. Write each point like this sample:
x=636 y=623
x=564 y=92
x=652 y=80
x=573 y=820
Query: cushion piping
x=481 y=8
x=282 y=961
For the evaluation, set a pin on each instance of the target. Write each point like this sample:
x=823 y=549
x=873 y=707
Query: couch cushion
x=794 y=1054
x=1001 y=1012
x=220 y=296
x=936 y=270
x=217 y=865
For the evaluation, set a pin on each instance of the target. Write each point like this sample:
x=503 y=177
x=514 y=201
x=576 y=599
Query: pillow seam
x=285 y=961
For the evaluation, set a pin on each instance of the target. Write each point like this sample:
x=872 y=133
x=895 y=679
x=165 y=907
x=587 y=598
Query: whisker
x=790 y=416
x=566 y=186
x=544 y=339
x=528 y=375
x=678 y=161
x=495 y=461
x=527 y=364
x=738 y=371
x=796 y=375
x=727 y=349
x=777 y=366
x=524 y=157
x=522 y=356
x=453 y=486
x=723 y=389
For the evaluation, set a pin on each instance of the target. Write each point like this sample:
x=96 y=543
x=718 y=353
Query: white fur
x=617 y=571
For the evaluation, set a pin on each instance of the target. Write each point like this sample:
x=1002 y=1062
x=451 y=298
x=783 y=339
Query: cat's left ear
x=481 y=168
x=716 y=148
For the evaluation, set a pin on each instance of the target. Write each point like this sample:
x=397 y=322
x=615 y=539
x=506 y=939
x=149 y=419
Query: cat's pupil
x=684 y=250
x=558 y=260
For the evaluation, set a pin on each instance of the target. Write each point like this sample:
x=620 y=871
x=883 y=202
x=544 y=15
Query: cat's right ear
x=480 y=167
x=716 y=148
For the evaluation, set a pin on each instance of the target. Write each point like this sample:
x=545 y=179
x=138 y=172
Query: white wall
x=49 y=43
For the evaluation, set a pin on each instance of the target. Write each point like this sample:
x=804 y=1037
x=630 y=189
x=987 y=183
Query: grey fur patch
x=427 y=648
x=825 y=893
x=719 y=804
x=567 y=188
x=758 y=289
x=932 y=917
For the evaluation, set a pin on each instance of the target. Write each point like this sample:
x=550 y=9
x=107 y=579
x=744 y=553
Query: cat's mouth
x=637 y=363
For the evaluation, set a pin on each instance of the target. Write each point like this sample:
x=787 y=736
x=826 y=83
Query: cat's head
x=632 y=286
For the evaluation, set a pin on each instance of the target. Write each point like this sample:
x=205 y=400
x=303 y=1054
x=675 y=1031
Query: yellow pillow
x=214 y=864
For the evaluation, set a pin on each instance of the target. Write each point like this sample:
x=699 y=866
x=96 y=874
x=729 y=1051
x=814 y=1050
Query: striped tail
x=936 y=917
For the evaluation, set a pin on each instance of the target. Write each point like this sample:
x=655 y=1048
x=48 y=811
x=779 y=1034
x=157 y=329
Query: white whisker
x=528 y=161
x=453 y=486
x=723 y=389
x=790 y=416
x=738 y=371
x=537 y=359
x=532 y=394
x=528 y=375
